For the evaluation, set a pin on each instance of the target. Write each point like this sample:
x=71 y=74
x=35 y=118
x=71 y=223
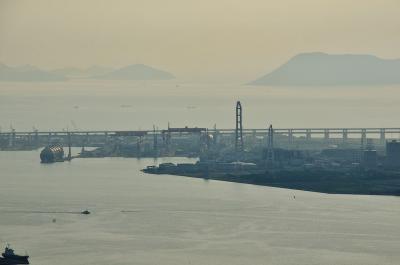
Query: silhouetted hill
x=27 y=74
x=74 y=72
x=320 y=69
x=136 y=72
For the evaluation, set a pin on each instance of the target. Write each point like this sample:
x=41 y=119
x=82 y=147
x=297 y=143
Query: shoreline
x=321 y=181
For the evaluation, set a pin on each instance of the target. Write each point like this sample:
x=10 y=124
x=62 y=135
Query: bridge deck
x=198 y=130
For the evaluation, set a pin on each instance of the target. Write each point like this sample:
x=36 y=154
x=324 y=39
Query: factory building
x=393 y=154
x=370 y=159
x=342 y=155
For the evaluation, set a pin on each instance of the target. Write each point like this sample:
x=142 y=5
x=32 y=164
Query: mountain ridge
x=322 y=69
x=27 y=73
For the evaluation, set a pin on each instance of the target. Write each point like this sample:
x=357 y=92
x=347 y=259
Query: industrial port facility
x=352 y=144
x=239 y=154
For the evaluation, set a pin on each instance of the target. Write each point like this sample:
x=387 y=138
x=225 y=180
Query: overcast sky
x=202 y=40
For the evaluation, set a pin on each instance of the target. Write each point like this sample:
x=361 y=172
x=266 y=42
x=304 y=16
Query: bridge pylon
x=239 y=128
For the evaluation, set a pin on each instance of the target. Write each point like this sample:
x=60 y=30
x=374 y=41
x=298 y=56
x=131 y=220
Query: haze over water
x=178 y=220
x=118 y=105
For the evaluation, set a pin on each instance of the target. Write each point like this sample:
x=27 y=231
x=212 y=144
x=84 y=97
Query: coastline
x=322 y=181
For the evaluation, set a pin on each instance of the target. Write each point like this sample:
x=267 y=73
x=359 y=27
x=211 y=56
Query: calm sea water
x=179 y=220
x=139 y=105
x=148 y=219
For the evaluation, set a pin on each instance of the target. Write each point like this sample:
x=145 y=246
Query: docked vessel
x=52 y=153
x=10 y=258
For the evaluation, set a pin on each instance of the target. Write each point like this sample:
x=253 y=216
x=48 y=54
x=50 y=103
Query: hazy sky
x=203 y=40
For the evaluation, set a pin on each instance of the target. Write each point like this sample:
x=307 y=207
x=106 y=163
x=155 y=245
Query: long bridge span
x=290 y=133
x=326 y=132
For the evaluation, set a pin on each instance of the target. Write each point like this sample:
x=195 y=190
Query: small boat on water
x=10 y=258
x=85 y=212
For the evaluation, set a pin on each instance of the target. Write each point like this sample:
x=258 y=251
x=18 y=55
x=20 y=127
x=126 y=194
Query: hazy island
x=136 y=72
x=321 y=69
x=27 y=73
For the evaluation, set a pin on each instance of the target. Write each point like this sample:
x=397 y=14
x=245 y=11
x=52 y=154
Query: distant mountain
x=27 y=73
x=136 y=72
x=74 y=72
x=320 y=69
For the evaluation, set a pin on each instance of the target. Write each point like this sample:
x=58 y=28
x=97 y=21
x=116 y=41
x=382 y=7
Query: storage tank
x=52 y=153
